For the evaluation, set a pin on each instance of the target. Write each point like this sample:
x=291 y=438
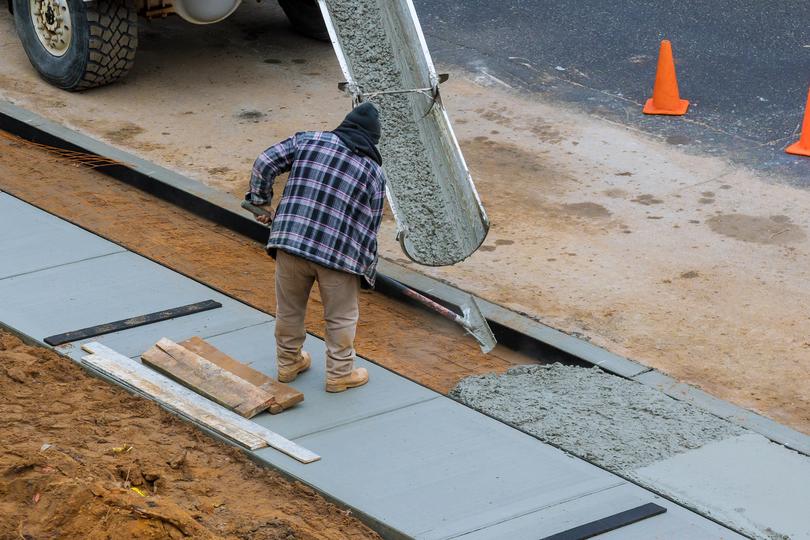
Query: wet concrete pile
x=619 y=424
x=432 y=217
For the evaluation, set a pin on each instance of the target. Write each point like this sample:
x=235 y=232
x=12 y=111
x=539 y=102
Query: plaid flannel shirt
x=332 y=205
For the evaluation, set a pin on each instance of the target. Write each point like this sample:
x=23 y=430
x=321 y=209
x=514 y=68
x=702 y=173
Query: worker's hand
x=264 y=219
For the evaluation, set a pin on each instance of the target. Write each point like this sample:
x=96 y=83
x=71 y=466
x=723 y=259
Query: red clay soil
x=417 y=344
x=80 y=458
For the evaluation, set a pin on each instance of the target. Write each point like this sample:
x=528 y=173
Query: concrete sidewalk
x=413 y=462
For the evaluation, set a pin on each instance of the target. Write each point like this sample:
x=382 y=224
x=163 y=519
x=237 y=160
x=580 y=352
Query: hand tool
x=472 y=320
x=257 y=211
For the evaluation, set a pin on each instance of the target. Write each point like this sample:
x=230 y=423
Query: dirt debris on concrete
x=614 y=422
x=80 y=458
x=432 y=218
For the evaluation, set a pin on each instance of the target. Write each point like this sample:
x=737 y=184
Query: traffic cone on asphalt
x=666 y=99
x=802 y=147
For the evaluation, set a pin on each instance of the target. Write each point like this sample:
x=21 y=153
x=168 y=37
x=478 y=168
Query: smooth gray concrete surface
x=677 y=523
x=438 y=468
x=96 y=291
x=319 y=411
x=747 y=480
x=416 y=462
x=44 y=241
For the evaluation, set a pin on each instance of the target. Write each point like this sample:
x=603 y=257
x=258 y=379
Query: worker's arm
x=377 y=200
x=274 y=161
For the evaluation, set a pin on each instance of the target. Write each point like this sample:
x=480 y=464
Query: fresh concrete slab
x=438 y=466
x=676 y=523
x=416 y=463
x=319 y=410
x=45 y=241
x=746 y=480
x=95 y=291
x=670 y=446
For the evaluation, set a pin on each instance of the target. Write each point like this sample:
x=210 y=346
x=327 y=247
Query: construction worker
x=324 y=230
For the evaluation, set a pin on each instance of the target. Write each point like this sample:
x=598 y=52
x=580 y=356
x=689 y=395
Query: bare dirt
x=80 y=458
x=735 y=325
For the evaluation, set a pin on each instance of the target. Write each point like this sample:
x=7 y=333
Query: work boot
x=289 y=373
x=358 y=377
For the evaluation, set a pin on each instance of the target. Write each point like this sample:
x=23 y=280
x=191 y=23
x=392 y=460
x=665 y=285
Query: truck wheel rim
x=52 y=24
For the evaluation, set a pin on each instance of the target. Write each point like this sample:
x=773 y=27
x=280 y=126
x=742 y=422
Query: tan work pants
x=339 y=292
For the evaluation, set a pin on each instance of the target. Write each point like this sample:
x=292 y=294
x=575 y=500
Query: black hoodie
x=360 y=131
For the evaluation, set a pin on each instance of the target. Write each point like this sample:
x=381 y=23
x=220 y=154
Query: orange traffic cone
x=802 y=147
x=666 y=99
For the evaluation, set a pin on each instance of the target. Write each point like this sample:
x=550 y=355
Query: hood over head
x=360 y=131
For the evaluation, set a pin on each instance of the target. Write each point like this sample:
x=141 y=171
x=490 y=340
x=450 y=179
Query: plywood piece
x=104 y=356
x=285 y=396
x=206 y=378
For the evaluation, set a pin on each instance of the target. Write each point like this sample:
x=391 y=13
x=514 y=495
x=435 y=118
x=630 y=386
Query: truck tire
x=305 y=17
x=78 y=45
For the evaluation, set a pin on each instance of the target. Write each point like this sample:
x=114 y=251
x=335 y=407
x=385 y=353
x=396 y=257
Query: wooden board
x=206 y=378
x=177 y=398
x=135 y=376
x=285 y=396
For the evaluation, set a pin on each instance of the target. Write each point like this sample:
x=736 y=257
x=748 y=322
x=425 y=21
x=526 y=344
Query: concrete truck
x=81 y=44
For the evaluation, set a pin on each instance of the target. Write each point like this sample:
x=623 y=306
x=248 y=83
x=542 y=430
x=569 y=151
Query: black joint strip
x=610 y=523
x=133 y=322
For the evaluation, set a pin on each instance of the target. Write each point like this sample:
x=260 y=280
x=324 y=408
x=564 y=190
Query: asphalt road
x=743 y=64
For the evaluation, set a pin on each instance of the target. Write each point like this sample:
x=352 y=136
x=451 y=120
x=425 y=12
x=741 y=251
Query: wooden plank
x=206 y=378
x=268 y=437
x=286 y=396
x=134 y=375
x=132 y=322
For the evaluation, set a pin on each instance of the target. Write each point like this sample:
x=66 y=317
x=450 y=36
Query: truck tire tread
x=113 y=40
